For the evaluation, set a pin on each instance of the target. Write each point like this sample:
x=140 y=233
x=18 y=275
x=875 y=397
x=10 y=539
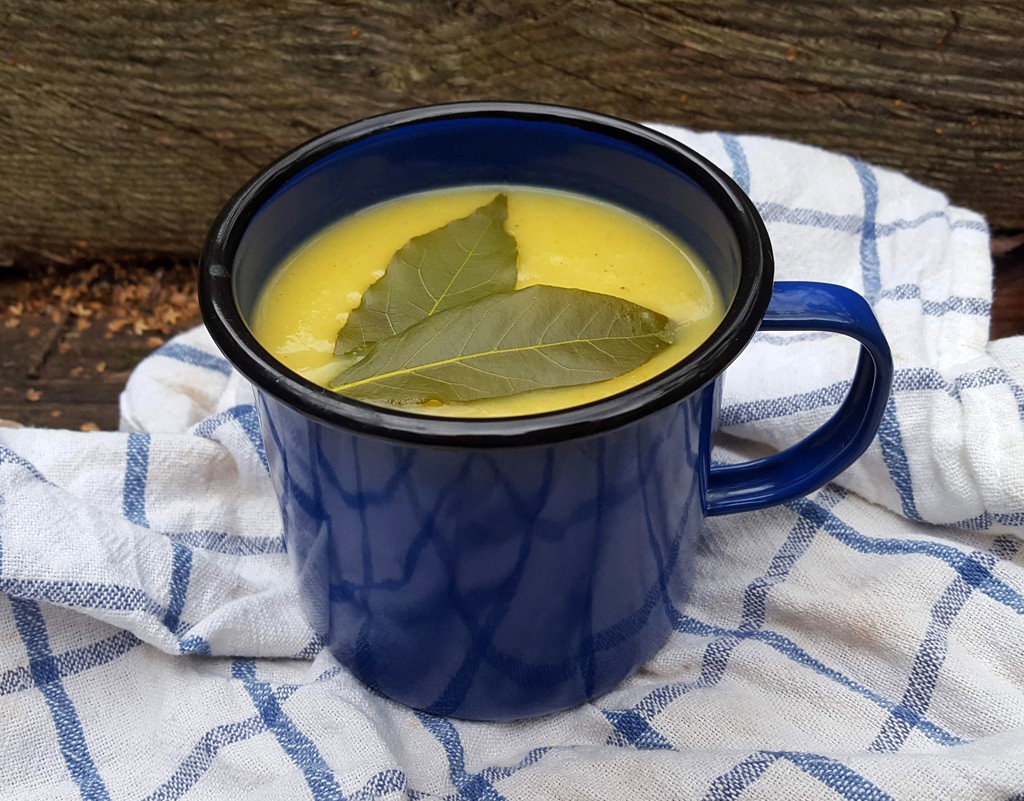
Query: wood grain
x=127 y=124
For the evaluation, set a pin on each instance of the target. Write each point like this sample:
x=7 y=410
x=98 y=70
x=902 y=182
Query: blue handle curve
x=820 y=457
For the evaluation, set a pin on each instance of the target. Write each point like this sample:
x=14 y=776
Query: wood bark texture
x=126 y=124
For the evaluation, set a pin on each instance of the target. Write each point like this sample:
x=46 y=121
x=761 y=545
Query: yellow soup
x=563 y=240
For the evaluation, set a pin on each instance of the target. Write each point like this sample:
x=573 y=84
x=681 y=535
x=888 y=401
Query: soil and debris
x=71 y=332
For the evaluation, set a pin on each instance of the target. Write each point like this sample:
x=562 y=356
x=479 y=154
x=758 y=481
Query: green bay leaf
x=506 y=343
x=461 y=262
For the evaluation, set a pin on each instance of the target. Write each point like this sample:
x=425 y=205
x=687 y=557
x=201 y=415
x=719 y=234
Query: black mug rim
x=742 y=317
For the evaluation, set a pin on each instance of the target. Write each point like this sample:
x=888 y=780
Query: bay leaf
x=506 y=343
x=461 y=262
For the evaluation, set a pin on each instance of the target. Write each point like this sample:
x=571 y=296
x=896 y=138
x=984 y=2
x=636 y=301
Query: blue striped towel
x=866 y=642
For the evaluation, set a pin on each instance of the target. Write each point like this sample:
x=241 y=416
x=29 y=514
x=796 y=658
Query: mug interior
x=460 y=145
x=449 y=153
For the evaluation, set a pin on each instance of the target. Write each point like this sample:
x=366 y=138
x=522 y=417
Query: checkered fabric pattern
x=864 y=643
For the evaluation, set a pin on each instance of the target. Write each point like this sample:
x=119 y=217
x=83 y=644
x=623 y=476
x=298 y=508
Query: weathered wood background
x=125 y=124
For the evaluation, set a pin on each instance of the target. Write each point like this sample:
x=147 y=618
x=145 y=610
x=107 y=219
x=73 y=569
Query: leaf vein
x=462 y=358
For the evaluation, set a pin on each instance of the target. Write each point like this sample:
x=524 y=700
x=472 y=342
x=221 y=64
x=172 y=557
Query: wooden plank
x=50 y=366
x=127 y=124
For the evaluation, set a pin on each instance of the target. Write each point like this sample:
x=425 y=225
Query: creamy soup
x=563 y=240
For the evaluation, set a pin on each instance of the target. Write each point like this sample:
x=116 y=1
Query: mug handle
x=824 y=454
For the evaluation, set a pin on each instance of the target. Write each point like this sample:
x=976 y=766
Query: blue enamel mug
x=511 y=567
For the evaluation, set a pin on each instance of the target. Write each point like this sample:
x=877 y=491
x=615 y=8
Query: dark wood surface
x=1008 y=299
x=126 y=124
x=64 y=366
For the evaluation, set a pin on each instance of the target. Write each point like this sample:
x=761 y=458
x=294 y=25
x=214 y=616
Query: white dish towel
x=865 y=643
